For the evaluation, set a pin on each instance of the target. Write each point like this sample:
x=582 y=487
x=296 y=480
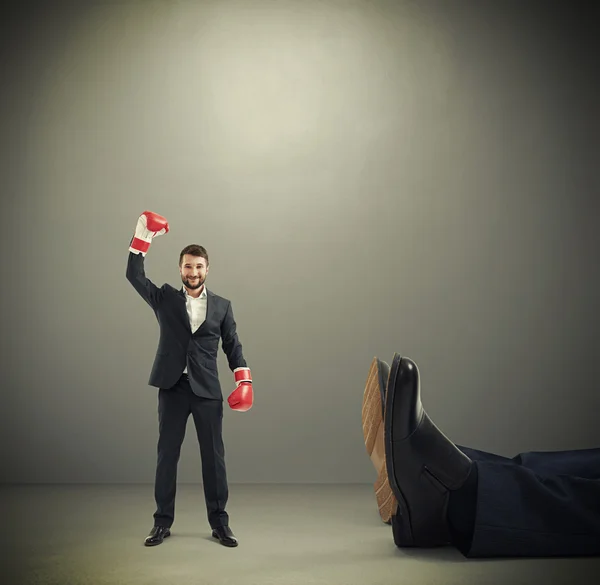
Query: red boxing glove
x=149 y=226
x=242 y=397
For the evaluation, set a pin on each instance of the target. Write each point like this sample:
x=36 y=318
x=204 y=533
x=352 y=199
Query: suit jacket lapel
x=183 y=306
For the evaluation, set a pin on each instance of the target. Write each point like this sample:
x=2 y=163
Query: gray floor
x=289 y=534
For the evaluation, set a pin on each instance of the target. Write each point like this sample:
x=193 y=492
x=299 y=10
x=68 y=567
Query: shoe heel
x=386 y=502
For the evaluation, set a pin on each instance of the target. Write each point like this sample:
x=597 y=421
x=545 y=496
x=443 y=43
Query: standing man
x=192 y=320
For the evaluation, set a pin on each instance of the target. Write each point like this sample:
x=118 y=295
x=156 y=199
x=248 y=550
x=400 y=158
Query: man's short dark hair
x=194 y=250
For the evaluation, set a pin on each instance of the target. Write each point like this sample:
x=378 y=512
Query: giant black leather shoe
x=225 y=536
x=157 y=535
x=423 y=465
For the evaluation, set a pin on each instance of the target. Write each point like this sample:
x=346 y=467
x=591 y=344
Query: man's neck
x=195 y=293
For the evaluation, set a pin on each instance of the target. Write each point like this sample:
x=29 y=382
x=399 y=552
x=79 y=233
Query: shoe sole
x=373 y=433
x=403 y=535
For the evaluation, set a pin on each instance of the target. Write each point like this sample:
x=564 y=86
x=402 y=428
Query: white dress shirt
x=196 y=310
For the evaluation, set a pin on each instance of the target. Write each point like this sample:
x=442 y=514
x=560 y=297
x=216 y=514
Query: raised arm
x=149 y=226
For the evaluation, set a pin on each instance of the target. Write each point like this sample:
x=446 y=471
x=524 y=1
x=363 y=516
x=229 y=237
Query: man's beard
x=193 y=284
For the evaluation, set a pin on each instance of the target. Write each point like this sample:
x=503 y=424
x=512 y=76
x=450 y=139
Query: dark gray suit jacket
x=177 y=346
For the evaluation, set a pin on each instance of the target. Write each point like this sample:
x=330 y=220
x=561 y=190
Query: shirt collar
x=202 y=294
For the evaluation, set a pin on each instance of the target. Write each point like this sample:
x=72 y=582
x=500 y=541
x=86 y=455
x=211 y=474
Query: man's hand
x=242 y=397
x=149 y=226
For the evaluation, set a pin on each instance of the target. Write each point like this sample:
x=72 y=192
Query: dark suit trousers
x=537 y=504
x=174 y=407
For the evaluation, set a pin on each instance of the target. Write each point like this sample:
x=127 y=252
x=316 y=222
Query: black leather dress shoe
x=225 y=536
x=423 y=465
x=157 y=535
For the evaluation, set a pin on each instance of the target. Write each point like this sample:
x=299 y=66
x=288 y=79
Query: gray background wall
x=368 y=177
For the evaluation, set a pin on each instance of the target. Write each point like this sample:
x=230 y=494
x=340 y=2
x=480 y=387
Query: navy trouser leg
x=537 y=504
